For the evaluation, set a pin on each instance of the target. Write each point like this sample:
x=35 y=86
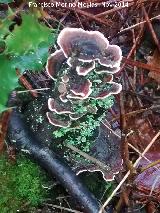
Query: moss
x=80 y=107
x=83 y=131
x=105 y=103
x=20 y=184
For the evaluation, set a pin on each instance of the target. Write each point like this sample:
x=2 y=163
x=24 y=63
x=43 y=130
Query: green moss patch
x=20 y=184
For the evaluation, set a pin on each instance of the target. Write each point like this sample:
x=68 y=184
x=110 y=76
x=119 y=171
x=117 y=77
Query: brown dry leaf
x=148 y=182
x=155 y=62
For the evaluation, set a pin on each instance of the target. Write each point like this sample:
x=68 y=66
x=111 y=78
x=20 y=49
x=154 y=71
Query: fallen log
x=24 y=138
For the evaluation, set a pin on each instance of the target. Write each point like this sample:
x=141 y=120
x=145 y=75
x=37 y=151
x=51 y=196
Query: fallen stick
x=19 y=133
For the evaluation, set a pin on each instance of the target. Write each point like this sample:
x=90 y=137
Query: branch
x=25 y=139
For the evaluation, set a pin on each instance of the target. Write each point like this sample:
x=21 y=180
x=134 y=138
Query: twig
x=89 y=15
x=135 y=68
x=88 y=157
x=152 y=164
x=128 y=173
x=132 y=89
x=140 y=65
x=135 y=25
x=151 y=28
x=132 y=50
x=63 y=208
x=109 y=127
x=133 y=113
x=79 y=19
x=143 y=156
x=4 y=119
x=124 y=197
x=32 y=90
x=124 y=143
x=27 y=85
x=140 y=154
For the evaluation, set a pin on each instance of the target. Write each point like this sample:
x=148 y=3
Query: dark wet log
x=19 y=132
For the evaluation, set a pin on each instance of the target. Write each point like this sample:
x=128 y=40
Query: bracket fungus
x=54 y=63
x=86 y=45
x=59 y=107
x=82 y=71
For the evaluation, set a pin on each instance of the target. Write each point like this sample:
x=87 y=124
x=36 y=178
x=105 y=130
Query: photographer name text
x=78 y=4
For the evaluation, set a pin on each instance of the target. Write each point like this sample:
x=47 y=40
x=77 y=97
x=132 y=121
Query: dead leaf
x=142 y=134
x=148 y=182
